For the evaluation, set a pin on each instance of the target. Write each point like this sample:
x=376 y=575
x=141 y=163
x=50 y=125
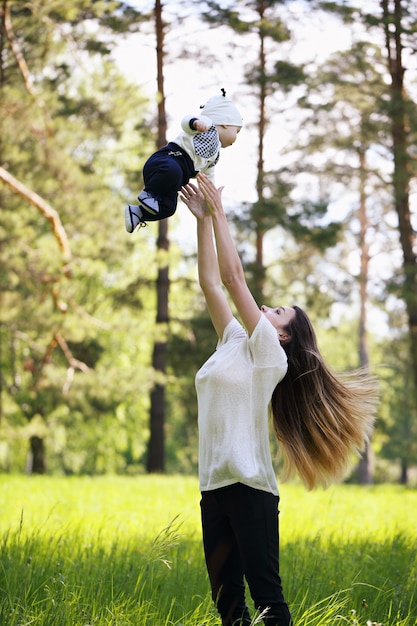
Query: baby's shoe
x=148 y=202
x=133 y=218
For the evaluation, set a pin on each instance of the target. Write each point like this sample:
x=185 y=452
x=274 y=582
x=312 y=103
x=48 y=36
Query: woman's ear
x=284 y=337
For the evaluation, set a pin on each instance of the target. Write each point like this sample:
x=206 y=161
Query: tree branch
x=21 y=61
x=39 y=203
x=72 y=361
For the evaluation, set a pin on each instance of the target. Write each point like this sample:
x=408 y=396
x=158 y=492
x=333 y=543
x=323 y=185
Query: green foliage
x=249 y=17
x=128 y=551
x=189 y=347
x=73 y=359
x=77 y=339
x=398 y=425
x=217 y=15
x=288 y=74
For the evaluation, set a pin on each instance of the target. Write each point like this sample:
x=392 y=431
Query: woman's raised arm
x=230 y=266
x=208 y=268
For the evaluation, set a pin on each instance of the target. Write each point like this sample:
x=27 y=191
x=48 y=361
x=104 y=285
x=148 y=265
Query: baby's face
x=227 y=134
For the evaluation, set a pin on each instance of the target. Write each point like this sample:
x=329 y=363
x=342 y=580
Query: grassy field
x=120 y=551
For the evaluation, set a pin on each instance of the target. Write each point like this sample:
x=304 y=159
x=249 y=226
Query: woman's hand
x=211 y=194
x=194 y=199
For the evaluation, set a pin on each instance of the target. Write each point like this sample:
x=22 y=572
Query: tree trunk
x=156 y=446
x=404 y=473
x=259 y=277
x=366 y=463
x=36 y=459
x=402 y=170
x=156 y=449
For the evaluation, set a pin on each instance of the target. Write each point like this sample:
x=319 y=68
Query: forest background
x=102 y=332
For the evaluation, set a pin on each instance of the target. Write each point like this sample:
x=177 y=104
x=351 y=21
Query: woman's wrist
x=218 y=215
x=205 y=219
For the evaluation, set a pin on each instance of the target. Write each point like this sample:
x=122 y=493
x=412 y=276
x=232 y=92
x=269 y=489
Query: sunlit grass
x=127 y=551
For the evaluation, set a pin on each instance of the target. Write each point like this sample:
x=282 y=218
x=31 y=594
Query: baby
x=196 y=149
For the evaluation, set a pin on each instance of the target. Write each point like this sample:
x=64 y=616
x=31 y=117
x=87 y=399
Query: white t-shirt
x=234 y=388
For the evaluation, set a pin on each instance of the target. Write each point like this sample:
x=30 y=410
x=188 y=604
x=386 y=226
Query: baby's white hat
x=221 y=110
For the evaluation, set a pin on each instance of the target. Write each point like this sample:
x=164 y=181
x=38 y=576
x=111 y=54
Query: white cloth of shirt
x=202 y=148
x=234 y=388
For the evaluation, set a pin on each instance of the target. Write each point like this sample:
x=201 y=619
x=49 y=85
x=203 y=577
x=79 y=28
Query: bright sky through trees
x=217 y=59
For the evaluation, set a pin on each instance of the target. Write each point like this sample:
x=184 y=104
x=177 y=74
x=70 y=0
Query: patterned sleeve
x=207 y=145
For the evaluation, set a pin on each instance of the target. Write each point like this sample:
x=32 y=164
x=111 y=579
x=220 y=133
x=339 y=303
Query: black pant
x=241 y=539
x=164 y=173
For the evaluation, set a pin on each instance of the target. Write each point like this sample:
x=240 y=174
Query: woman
x=272 y=361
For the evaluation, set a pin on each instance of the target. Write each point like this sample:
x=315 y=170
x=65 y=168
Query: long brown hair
x=319 y=419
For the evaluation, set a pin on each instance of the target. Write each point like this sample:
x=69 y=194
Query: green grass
x=120 y=551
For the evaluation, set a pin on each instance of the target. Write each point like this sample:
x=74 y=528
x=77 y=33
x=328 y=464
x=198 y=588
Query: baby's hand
x=201 y=126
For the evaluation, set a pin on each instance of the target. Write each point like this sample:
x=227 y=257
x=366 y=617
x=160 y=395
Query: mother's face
x=279 y=317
